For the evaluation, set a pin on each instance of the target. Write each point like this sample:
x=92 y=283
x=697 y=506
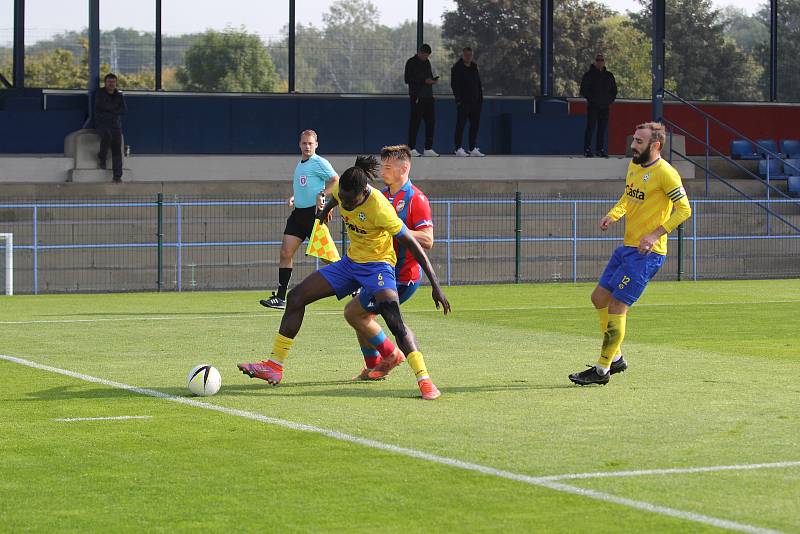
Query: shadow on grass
x=215 y=313
x=346 y=388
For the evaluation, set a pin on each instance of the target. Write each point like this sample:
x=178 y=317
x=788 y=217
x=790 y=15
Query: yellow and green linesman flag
x=321 y=245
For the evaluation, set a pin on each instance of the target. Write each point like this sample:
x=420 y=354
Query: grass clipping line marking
x=544 y=482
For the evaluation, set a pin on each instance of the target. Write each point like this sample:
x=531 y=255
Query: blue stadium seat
x=793 y=186
x=764 y=146
x=791 y=167
x=790 y=147
x=775 y=169
x=741 y=149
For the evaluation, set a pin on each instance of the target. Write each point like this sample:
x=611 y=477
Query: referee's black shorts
x=301 y=222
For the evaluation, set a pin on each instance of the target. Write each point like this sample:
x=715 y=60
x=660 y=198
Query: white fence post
x=9 y=238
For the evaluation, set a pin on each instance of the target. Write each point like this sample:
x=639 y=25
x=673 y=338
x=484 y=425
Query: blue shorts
x=628 y=273
x=404 y=290
x=345 y=276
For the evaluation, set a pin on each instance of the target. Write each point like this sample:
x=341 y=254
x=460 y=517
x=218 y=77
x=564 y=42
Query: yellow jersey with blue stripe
x=371 y=228
x=651 y=192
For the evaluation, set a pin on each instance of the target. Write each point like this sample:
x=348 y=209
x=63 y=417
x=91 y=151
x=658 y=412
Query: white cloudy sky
x=266 y=17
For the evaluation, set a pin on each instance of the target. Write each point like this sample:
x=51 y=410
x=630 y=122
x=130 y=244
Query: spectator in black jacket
x=109 y=106
x=599 y=88
x=420 y=79
x=465 y=81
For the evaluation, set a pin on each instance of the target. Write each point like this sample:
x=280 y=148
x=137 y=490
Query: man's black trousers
x=113 y=137
x=596 y=118
x=421 y=108
x=468 y=111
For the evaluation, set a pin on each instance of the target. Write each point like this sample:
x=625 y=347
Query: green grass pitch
x=713 y=381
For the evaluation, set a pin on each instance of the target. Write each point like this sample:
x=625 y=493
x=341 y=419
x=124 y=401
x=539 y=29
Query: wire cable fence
x=193 y=243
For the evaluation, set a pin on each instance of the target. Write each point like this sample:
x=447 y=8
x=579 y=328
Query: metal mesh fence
x=225 y=243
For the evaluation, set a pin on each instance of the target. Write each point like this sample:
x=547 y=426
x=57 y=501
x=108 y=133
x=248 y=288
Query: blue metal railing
x=570 y=218
x=708 y=119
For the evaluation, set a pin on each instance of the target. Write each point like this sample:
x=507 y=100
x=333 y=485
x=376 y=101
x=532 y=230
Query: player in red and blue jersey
x=414 y=210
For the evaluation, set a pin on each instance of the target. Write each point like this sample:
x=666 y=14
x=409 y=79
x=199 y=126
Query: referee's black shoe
x=590 y=376
x=274 y=302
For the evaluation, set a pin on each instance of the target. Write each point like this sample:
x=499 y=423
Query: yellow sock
x=612 y=339
x=280 y=350
x=602 y=314
x=417 y=363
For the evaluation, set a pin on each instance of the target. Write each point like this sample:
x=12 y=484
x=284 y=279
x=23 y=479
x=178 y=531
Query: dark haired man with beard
x=652 y=188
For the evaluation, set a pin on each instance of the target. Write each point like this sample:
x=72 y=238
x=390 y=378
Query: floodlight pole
x=546 y=50
x=18 y=75
x=94 y=58
x=159 y=54
x=659 y=34
x=292 y=38
x=773 y=50
x=420 y=23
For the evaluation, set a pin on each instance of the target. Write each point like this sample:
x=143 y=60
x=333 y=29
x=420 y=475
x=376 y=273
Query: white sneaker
x=414 y=153
x=475 y=153
x=461 y=153
x=430 y=153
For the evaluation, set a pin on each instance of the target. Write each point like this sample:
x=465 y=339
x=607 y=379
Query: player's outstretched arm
x=416 y=250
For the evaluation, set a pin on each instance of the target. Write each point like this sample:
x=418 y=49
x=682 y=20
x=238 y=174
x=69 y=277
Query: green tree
x=505 y=37
x=6 y=65
x=788 y=49
x=746 y=31
x=57 y=68
x=228 y=61
x=627 y=51
x=579 y=32
x=353 y=53
x=703 y=64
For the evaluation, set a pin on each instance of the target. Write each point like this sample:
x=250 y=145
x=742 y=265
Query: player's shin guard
x=383 y=344
x=602 y=315
x=417 y=363
x=612 y=340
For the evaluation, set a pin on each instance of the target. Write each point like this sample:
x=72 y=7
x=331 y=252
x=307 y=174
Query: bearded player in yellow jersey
x=369 y=263
x=652 y=189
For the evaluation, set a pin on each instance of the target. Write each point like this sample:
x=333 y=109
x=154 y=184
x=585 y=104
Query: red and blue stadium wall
x=755 y=120
x=269 y=124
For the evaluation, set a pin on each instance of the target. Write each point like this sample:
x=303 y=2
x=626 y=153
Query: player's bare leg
x=369 y=334
x=312 y=289
x=388 y=305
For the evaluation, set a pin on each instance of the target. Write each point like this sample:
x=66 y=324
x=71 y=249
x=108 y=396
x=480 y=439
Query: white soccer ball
x=204 y=380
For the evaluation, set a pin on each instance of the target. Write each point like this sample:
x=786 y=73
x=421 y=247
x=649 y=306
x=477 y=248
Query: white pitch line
x=117 y=418
x=672 y=471
x=339 y=312
x=412 y=453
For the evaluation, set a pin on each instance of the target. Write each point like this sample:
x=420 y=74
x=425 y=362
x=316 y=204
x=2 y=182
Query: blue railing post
x=769 y=207
x=449 y=246
x=35 y=250
x=574 y=242
x=178 y=247
x=160 y=238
